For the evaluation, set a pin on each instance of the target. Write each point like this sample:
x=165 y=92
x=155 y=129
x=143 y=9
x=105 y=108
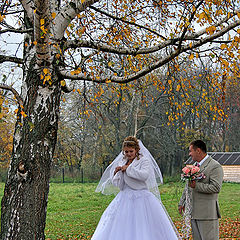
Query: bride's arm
x=141 y=173
x=117 y=179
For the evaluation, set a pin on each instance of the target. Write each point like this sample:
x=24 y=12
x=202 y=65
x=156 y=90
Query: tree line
x=95 y=120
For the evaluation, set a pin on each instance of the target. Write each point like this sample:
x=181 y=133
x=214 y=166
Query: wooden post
x=63 y=174
x=82 y=174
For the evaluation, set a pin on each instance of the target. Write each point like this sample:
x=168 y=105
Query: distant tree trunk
x=80 y=157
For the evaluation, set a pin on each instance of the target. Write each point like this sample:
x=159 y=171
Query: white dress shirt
x=203 y=160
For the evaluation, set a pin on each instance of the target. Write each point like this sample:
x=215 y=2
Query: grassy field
x=75 y=209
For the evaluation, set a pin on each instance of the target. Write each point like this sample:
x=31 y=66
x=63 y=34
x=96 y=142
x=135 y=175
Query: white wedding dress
x=135 y=214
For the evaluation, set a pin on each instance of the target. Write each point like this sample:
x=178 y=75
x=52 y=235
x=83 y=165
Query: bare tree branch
x=115 y=79
x=13 y=12
x=14 y=91
x=4 y=58
x=119 y=50
x=216 y=35
x=186 y=27
x=16 y=30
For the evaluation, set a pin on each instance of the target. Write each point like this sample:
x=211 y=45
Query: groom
x=205 y=208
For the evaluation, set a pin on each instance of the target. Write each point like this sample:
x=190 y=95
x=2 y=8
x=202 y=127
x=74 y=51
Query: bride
x=136 y=213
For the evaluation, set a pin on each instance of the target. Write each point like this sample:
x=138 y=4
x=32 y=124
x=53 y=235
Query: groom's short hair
x=199 y=144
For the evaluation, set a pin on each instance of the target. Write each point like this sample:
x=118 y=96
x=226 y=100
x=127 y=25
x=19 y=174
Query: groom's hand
x=192 y=184
x=181 y=209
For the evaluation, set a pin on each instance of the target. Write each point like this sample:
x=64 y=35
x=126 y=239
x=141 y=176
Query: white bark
x=67 y=14
x=28 y=6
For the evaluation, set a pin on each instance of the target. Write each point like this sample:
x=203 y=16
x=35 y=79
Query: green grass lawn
x=74 y=209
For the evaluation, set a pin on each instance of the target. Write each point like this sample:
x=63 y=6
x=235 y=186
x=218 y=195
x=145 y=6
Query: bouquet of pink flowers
x=191 y=173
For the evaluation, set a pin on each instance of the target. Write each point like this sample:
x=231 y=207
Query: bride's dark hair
x=132 y=142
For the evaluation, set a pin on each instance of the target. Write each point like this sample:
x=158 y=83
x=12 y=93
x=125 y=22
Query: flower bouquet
x=191 y=173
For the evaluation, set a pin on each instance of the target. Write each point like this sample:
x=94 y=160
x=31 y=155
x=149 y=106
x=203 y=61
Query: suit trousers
x=205 y=229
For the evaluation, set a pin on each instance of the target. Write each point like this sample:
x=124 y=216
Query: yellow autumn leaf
x=45 y=70
x=1 y=18
x=53 y=15
x=211 y=30
x=223 y=46
x=238 y=14
x=42 y=21
x=191 y=56
x=23 y=114
x=63 y=83
x=201 y=16
x=178 y=87
x=47 y=78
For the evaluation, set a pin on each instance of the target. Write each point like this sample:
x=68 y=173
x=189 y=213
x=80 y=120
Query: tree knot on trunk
x=22 y=172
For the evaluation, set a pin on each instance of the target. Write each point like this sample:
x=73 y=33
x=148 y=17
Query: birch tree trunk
x=24 y=203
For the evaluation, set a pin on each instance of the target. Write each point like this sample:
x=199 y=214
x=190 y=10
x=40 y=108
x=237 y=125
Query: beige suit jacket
x=205 y=194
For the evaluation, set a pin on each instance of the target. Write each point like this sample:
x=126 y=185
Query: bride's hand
x=124 y=168
x=117 y=169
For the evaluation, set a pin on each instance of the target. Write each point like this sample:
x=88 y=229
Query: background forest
x=95 y=119
x=95 y=122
